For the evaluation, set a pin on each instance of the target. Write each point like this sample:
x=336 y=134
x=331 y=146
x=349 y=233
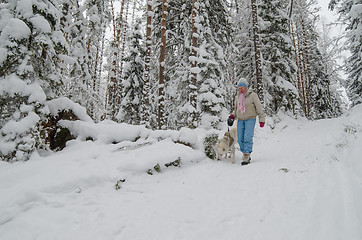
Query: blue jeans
x=245 y=131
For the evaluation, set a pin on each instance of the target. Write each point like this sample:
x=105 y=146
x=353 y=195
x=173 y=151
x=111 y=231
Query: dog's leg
x=233 y=153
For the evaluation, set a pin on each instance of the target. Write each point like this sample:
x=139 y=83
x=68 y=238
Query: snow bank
x=111 y=132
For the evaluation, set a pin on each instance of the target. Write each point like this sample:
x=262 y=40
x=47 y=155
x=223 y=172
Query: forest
x=167 y=64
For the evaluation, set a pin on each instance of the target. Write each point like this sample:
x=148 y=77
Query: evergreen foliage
x=279 y=67
x=30 y=45
x=132 y=83
x=350 y=13
x=209 y=145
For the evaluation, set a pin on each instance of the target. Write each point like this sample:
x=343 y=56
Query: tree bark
x=145 y=116
x=161 y=83
x=307 y=69
x=122 y=49
x=258 y=70
x=192 y=85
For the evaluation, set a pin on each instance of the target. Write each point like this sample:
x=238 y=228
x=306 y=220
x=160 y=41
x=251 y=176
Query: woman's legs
x=240 y=131
x=249 y=135
x=245 y=131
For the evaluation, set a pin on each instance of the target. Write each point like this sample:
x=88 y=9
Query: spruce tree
x=350 y=14
x=278 y=64
x=132 y=83
x=30 y=45
x=214 y=39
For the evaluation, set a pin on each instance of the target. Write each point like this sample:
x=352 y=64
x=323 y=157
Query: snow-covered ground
x=304 y=182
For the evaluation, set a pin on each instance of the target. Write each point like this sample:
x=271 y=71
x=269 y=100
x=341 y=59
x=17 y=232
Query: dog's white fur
x=227 y=145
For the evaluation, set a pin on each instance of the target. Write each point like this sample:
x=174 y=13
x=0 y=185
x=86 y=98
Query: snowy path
x=304 y=183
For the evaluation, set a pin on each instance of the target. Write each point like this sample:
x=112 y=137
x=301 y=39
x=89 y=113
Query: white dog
x=227 y=145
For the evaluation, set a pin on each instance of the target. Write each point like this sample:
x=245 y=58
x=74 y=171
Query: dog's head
x=221 y=150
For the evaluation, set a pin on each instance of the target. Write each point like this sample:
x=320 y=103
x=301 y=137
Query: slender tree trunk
x=258 y=70
x=161 y=83
x=192 y=85
x=121 y=23
x=133 y=12
x=112 y=84
x=307 y=69
x=297 y=61
x=146 y=84
x=123 y=41
x=302 y=73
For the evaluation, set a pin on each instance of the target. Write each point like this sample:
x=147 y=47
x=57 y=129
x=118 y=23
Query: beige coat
x=253 y=107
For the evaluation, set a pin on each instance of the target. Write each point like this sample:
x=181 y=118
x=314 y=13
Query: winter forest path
x=304 y=183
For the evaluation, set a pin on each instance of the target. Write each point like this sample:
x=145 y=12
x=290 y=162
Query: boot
x=246 y=159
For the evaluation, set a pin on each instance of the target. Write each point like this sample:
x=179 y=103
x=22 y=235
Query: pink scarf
x=241 y=103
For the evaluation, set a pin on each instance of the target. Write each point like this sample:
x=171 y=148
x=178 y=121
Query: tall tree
x=30 y=45
x=79 y=88
x=215 y=35
x=132 y=83
x=146 y=100
x=161 y=84
x=257 y=57
x=279 y=75
x=194 y=64
x=350 y=13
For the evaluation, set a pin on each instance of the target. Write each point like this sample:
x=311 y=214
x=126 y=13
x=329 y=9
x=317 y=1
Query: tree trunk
x=192 y=85
x=124 y=37
x=161 y=83
x=297 y=62
x=258 y=70
x=307 y=69
x=302 y=74
x=145 y=116
x=112 y=84
x=121 y=23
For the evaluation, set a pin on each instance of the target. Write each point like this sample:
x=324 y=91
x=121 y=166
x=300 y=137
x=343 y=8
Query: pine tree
x=177 y=58
x=279 y=67
x=350 y=13
x=214 y=37
x=80 y=86
x=132 y=83
x=30 y=45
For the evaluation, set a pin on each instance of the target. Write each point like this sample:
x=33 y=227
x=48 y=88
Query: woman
x=247 y=107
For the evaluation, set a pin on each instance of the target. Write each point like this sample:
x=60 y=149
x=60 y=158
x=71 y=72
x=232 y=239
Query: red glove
x=231 y=117
x=262 y=124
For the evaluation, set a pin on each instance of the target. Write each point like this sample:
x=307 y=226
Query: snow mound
x=111 y=132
